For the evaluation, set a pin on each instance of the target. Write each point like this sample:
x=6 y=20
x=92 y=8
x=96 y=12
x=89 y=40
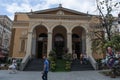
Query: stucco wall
x=17 y=43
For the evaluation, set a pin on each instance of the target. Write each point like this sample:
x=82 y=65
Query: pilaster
x=49 y=45
x=69 y=42
x=29 y=44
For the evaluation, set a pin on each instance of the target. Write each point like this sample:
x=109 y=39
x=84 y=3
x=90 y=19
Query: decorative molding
x=20 y=27
x=60 y=12
x=63 y=17
x=24 y=32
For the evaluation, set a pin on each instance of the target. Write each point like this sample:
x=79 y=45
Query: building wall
x=19 y=35
x=5 y=33
x=21 y=17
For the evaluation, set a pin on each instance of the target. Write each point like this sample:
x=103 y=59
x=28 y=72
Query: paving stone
x=73 y=75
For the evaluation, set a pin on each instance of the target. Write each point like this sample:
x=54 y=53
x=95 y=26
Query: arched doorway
x=59 y=44
x=78 y=41
x=41 y=41
x=59 y=40
x=42 y=45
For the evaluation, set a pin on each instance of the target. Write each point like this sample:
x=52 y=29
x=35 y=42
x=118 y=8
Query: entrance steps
x=37 y=65
x=77 y=66
x=34 y=65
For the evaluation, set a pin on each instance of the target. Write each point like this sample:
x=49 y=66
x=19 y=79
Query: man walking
x=45 y=68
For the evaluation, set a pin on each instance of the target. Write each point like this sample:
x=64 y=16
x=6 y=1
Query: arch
x=38 y=24
x=39 y=42
x=78 y=40
x=83 y=29
x=59 y=29
x=81 y=26
x=59 y=40
x=59 y=26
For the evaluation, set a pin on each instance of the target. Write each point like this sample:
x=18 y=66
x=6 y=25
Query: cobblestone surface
x=74 y=75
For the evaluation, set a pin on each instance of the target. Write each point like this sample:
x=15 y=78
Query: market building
x=36 y=33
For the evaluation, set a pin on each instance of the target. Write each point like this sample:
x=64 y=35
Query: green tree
x=114 y=43
x=105 y=8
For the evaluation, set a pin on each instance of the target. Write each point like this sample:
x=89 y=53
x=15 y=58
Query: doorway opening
x=59 y=45
x=42 y=45
x=76 y=45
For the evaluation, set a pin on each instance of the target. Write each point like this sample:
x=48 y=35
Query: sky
x=9 y=7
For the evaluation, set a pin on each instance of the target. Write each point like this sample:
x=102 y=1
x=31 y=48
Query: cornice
x=58 y=17
x=20 y=23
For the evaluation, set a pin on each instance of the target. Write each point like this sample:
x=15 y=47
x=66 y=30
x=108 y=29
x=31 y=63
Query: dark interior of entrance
x=76 y=45
x=42 y=45
x=59 y=45
x=40 y=49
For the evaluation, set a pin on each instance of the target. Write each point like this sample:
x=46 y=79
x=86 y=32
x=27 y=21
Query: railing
x=93 y=62
x=24 y=62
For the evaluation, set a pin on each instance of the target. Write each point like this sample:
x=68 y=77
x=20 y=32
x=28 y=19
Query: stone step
x=34 y=65
x=77 y=66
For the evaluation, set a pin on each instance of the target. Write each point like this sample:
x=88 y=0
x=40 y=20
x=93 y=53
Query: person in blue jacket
x=45 y=68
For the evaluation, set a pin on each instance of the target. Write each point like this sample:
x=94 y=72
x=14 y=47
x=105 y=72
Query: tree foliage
x=105 y=8
x=114 y=43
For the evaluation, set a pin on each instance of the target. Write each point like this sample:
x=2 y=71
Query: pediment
x=60 y=11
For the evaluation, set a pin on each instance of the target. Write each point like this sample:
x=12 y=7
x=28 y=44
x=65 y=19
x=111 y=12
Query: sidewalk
x=74 y=75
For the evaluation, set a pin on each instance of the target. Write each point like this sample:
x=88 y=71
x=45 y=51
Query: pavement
x=73 y=75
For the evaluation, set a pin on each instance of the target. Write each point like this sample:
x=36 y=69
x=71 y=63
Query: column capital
x=49 y=32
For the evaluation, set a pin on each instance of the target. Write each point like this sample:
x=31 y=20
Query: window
x=22 y=45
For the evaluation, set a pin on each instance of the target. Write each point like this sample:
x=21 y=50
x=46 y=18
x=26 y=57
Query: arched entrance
x=78 y=41
x=59 y=40
x=41 y=41
x=42 y=45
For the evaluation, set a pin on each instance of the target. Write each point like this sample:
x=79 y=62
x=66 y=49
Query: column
x=49 y=45
x=33 y=45
x=88 y=46
x=69 y=42
x=29 y=43
x=83 y=43
x=28 y=51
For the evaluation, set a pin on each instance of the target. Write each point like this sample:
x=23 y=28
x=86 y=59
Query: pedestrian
x=85 y=59
x=45 y=68
x=81 y=58
x=74 y=55
x=110 y=57
x=13 y=67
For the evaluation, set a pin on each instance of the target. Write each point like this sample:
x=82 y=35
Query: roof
x=56 y=10
x=60 y=9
